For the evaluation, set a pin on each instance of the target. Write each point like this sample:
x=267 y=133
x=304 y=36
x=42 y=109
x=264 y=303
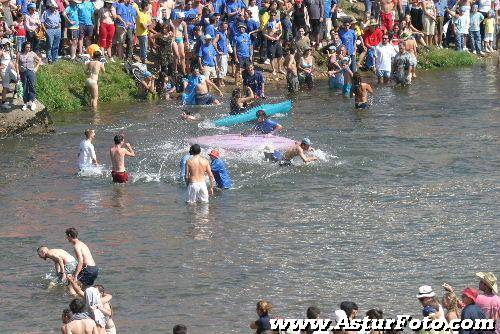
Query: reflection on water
x=400 y=192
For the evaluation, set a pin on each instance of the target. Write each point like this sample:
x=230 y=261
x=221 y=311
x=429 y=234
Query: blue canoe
x=271 y=109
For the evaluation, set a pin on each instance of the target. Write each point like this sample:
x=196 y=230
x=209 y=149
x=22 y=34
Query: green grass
x=442 y=58
x=61 y=87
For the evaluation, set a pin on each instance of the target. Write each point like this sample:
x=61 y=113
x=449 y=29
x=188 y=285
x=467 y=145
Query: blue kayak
x=270 y=109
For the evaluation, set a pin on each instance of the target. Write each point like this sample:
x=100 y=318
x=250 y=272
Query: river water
x=405 y=194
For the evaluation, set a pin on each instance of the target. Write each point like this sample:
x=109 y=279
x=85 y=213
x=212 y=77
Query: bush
x=61 y=86
x=438 y=58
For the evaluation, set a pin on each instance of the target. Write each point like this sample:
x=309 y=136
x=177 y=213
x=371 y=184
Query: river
x=405 y=194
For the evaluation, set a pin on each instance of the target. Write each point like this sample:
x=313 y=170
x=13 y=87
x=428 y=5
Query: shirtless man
x=64 y=263
x=292 y=77
x=80 y=322
x=360 y=90
x=387 y=14
x=117 y=154
x=196 y=169
x=411 y=47
x=298 y=150
x=203 y=96
x=86 y=271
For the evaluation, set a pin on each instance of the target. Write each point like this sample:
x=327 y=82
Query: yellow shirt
x=489 y=25
x=143 y=21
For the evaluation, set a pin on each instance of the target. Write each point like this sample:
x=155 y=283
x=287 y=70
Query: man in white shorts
x=86 y=153
x=196 y=169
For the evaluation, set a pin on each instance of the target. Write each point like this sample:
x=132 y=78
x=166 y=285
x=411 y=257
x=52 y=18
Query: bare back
x=293 y=152
x=196 y=168
x=411 y=47
x=364 y=89
x=56 y=253
x=117 y=155
x=85 y=326
x=82 y=250
x=93 y=68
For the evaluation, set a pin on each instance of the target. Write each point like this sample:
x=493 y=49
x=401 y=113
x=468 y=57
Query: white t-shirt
x=86 y=154
x=484 y=6
x=255 y=12
x=384 y=55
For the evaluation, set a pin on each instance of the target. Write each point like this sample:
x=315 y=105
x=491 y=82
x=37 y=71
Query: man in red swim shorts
x=386 y=15
x=118 y=153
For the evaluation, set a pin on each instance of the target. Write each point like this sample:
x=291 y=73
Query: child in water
x=165 y=86
x=263 y=323
x=347 y=73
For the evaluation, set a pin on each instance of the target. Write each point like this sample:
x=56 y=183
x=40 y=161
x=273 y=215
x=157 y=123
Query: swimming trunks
x=361 y=105
x=197 y=192
x=179 y=40
x=119 y=177
x=204 y=99
x=90 y=82
x=346 y=90
x=88 y=275
x=69 y=269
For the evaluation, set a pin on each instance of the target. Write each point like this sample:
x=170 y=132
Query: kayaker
x=265 y=125
x=219 y=170
x=239 y=102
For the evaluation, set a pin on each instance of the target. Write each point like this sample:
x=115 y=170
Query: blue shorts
x=205 y=99
x=244 y=61
x=361 y=105
x=383 y=74
x=346 y=90
x=86 y=31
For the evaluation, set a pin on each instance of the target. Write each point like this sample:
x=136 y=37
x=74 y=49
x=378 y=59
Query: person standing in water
x=219 y=170
x=361 y=91
x=64 y=263
x=118 y=153
x=86 y=271
x=86 y=153
x=196 y=169
x=93 y=68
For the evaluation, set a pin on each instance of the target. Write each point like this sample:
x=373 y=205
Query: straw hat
x=489 y=279
x=425 y=291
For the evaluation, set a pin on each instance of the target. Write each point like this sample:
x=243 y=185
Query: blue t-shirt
x=72 y=14
x=191 y=14
x=348 y=38
x=207 y=54
x=475 y=21
x=182 y=165
x=243 y=44
x=263 y=324
x=255 y=82
x=222 y=42
x=221 y=175
x=252 y=25
x=24 y=6
x=219 y=6
x=265 y=127
x=210 y=30
x=232 y=7
x=127 y=13
x=85 y=13
x=473 y=312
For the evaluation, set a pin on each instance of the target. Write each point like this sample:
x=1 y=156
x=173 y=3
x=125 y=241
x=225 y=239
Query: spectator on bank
x=27 y=66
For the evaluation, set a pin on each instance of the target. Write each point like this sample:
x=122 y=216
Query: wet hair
x=375 y=314
x=39 y=248
x=72 y=233
x=66 y=313
x=100 y=288
x=356 y=83
x=179 y=329
x=264 y=307
x=236 y=93
x=97 y=55
x=313 y=312
x=88 y=132
x=348 y=307
x=76 y=306
x=118 y=139
x=195 y=149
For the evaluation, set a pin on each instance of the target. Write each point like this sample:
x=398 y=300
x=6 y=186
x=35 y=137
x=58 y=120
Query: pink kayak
x=237 y=142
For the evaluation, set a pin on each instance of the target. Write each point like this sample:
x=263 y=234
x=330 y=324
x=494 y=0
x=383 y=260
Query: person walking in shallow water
x=93 y=68
x=196 y=169
x=86 y=271
x=118 y=153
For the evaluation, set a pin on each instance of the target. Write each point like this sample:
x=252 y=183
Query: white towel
x=93 y=297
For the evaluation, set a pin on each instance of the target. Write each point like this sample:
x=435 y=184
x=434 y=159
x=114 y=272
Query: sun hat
x=214 y=154
x=109 y=1
x=470 y=292
x=425 y=291
x=269 y=148
x=242 y=25
x=31 y=6
x=489 y=279
x=5 y=41
x=306 y=141
x=207 y=36
x=428 y=310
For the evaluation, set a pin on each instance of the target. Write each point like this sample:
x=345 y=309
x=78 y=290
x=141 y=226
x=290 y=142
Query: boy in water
x=360 y=90
x=117 y=154
x=86 y=271
x=292 y=77
x=196 y=169
x=347 y=73
x=64 y=263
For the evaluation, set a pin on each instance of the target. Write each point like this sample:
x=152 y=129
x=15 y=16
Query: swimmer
x=272 y=155
x=361 y=91
x=265 y=125
x=196 y=169
x=80 y=322
x=86 y=271
x=117 y=154
x=93 y=68
x=86 y=154
x=201 y=85
x=240 y=102
x=188 y=116
x=298 y=150
x=64 y=263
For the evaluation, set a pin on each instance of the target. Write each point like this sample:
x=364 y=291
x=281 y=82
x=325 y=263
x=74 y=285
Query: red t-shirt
x=20 y=30
x=372 y=38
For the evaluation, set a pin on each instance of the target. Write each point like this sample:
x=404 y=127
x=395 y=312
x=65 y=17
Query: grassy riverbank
x=61 y=87
x=443 y=58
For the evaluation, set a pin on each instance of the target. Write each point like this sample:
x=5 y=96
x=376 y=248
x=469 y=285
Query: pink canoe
x=237 y=142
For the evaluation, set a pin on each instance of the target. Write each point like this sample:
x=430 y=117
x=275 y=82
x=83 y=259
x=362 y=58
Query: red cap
x=214 y=154
x=471 y=293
